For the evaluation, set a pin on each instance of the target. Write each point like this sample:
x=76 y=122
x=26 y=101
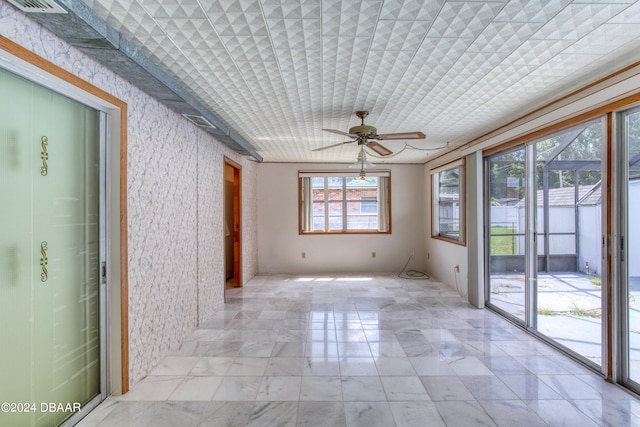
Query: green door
x=49 y=254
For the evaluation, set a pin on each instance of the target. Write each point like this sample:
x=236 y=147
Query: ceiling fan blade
x=331 y=146
x=401 y=135
x=379 y=148
x=339 y=132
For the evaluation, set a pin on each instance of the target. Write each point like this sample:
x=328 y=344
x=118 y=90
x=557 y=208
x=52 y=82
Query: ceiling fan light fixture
x=362 y=163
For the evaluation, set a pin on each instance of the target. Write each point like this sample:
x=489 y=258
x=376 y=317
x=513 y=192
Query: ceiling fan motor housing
x=363 y=130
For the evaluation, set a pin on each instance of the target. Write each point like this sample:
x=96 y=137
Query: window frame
x=436 y=204
x=344 y=202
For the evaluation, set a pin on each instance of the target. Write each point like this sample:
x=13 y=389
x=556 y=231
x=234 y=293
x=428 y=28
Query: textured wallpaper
x=175 y=200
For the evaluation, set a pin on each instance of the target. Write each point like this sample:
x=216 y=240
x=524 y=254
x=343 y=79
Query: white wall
x=280 y=246
x=441 y=256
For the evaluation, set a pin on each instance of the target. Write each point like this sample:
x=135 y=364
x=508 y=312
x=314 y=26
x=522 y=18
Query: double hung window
x=448 y=202
x=343 y=202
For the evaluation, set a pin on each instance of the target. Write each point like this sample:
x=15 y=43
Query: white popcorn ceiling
x=279 y=71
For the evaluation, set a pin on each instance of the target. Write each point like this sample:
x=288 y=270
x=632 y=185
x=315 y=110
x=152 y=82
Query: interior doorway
x=232 y=224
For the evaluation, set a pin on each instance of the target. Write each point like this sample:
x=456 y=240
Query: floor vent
x=37 y=6
x=199 y=121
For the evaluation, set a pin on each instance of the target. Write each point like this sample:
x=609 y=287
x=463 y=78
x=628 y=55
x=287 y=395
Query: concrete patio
x=569 y=311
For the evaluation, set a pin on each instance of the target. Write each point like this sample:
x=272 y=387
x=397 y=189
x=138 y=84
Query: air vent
x=199 y=121
x=37 y=6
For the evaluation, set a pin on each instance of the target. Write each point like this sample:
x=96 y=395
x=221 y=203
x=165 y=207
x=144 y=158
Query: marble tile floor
x=363 y=351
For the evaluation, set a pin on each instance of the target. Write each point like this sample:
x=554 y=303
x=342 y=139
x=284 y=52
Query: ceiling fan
x=368 y=136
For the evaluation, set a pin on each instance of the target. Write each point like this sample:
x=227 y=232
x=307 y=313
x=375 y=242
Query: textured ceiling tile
x=536 y=52
x=409 y=10
x=604 y=39
x=278 y=33
x=311 y=9
x=344 y=50
x=465 y=20
x=531 y=10
x=171 y=9
x=399 y=35
x=117 y=14
x=237 y=6
x=350 y=18
x=240 y=24
x=504 y=36
x=185 y=32
x=278 y=71
x=123 y=12
x=577 y=20
x=630 y=15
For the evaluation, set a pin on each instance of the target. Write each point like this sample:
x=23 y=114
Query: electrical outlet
x=373 y=254
x=304 y=254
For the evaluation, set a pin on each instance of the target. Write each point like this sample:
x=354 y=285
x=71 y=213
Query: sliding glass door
x=629 y=245
x=506 y=231
x=50 y=254
x=544 y=205
x=569 y=235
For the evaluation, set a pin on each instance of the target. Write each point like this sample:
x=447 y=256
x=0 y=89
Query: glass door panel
x=568 y=229
x=49 y=246
x=630 y=259
x=506 y=231
x=16 y=251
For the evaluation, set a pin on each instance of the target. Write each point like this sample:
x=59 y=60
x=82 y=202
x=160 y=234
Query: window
x=369 y=205
x=448 y=202
x=342 y=202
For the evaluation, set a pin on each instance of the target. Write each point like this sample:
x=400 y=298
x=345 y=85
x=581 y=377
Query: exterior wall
x=280 y=246
x=175 y=217
x=590 y=239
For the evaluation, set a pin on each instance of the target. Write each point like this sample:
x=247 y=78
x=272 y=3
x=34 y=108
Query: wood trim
x=237 y=200
x=389 y=204
x=237 y=205
x=301 y=232
x=233 y=163
x=445 y=239
x=124 y=252
x=338 y=233
x=62 y=74
x=463 y=197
